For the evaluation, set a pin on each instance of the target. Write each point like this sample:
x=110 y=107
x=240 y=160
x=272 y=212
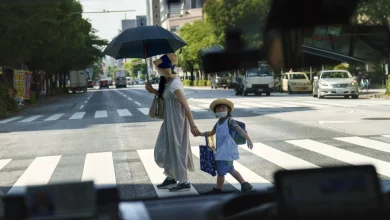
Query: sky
x=109 y=24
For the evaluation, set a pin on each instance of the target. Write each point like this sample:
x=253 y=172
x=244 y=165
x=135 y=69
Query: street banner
x=22 y=83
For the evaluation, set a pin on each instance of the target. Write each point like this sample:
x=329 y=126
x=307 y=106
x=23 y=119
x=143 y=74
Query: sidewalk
x=374 y=93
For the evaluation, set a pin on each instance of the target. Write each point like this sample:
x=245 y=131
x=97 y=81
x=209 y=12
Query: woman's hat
x=226 y=102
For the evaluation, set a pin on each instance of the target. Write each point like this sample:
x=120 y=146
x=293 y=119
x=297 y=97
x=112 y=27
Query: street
x=106 y=135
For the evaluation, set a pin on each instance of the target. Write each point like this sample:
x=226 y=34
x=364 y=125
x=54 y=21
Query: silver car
x=335 y=83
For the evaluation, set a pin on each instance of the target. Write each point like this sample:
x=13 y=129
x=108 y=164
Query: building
x=176 y=21
x=153 y=12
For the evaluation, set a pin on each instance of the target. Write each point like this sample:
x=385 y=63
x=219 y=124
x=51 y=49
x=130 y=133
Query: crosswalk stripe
x=9 y=120
x=242 y=106
x=54 y=117
x=195 y=109
x=101 y=114
x=77 y=115
x=284 y=105
x=364 y=142
x=332 y=104
x=123 y=112
x=387 y=136
x=156 y=175
x=307 y=104
x=38 y=173
x=32 y=118
x=279 y=158
x=144 y=111
x=258 y=105
x=382 y=167
x=258 y=182
x=4 y=162
x=99 y=167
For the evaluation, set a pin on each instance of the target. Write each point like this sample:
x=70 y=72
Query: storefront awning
x=316 y=56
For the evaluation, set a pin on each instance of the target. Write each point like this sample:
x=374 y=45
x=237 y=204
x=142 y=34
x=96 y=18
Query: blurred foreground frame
x=295 y=37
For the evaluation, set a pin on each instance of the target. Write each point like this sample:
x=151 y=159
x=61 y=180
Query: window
x=155 y=6
x=174 y=28
x=298 y=76
x=156 y=16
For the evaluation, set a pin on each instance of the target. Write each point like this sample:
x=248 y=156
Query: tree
x=47 y=36
x=247 y=15
x=111 y=70
x=198 y=36
x=375 y=12
x=135 y=65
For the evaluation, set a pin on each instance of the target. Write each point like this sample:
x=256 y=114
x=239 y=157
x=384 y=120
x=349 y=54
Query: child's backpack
x=235 y=135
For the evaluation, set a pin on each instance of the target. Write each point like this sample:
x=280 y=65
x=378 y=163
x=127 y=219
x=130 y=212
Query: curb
x=375 y=96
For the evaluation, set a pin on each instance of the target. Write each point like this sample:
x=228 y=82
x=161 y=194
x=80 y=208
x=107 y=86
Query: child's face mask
x=221 y=114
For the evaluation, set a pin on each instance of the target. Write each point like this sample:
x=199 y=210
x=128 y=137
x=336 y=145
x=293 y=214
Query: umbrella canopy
x=143 y=42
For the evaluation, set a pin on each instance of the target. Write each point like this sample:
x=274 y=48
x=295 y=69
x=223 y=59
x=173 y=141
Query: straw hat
x=226 y=102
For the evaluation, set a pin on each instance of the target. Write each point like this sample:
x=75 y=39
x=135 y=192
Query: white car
x=335 y=83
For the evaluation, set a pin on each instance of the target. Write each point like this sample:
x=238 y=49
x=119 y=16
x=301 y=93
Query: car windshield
x=326 y=75
x=298 y=76
x=223 y=74
x=262 y=71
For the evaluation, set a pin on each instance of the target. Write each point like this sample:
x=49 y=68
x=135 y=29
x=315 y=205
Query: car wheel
x=268 y=93
x=355 y=96
x=289 y=90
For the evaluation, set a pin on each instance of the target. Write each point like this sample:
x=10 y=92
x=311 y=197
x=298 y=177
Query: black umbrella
x=143 y=42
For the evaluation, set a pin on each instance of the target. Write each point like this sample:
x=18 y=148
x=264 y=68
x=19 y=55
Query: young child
x=227 y=149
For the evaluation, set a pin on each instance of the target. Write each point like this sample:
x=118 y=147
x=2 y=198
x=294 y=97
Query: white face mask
x=221 y=114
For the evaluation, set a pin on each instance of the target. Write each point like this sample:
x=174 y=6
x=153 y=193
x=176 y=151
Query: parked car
x=104 y=84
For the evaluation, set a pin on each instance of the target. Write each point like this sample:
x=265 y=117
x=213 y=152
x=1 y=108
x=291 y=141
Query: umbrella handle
x=146 y=62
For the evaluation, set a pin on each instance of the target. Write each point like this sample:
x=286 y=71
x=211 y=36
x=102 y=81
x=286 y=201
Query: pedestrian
x=172 y=151
x=226 y=147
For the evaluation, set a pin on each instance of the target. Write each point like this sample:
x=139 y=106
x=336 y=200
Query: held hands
x=149 y=87
x=195 y=131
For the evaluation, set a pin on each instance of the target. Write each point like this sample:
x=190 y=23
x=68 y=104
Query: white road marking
x=99 y=167
x=129 y=98
x=258 y=182
x=38 y=173
x=137 y=103
x=86 y=102
x=77 y=115
x=156 y=175
x=101 y=114
x=364 y=142
x=335 y=122
x=195 y=109
x=54 y=117
x=9 y=120
x=123 y=112
x=32 y=118
x=81 y=107
x=277 y=157
x=382 y=167
x=4 y=162
x=145 y=111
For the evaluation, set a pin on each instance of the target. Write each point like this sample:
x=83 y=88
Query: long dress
x=173 y=149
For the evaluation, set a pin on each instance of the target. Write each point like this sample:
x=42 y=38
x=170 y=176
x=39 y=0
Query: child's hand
x=250 y=144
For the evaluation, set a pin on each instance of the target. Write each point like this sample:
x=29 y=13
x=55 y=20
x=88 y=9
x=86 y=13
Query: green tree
x=198 y=36
x=247 y=15
x=135 y=65
x=47 y=36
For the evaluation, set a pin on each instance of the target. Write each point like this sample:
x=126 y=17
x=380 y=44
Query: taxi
x=295 y=82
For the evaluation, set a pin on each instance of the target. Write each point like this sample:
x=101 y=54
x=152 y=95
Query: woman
x=173 y=149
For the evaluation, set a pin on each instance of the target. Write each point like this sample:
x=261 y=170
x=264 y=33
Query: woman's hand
x=149 y=87
x=195 y=131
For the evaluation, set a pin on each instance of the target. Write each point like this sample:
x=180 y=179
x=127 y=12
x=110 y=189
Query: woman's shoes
x=181 y=187
x=167 y=184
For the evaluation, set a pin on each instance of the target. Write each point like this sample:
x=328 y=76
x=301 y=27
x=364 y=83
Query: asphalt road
x=106 y=135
